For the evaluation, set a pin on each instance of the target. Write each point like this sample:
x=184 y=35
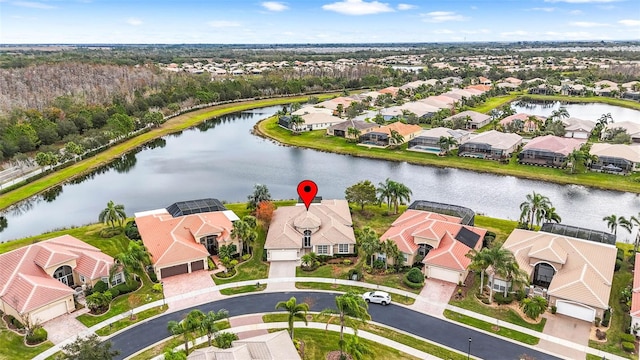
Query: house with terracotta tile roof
x=575 y=275
x=37 y=281
x=491 y=144
x=483 y=81
x=635 y=297
x=325 y=229
x=389 y=90
x=549 y=150
x=382 y=136
x=439 y=241
x=527 y=124
x=181 y=237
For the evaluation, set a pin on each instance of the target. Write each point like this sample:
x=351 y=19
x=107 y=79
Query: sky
x=314 y=21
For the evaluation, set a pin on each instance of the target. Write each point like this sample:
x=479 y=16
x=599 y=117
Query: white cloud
x=545 y=9
x=474 y=8
x=358 y=7
x=514 y=33
x=403 y=7
x=223 y=23
x=581 y=1
x=274 y=6
x=33 y=5
x=478 y=31
x=442 y=16
x=442 y=31
x=134 y=21
x=576 y=12
x=629 y=22
x=587 y=24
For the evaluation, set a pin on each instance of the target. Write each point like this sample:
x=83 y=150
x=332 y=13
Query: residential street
x=440 y=331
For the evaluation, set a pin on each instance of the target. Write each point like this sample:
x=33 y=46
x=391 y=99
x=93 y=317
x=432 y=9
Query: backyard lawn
x=12 y=345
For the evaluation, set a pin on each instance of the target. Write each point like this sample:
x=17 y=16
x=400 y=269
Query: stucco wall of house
x=50 y=270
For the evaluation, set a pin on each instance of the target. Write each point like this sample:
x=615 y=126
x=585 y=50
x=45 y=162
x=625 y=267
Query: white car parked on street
x=378 y=297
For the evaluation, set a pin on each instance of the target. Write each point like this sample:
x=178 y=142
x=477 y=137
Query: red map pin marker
x=307 y=191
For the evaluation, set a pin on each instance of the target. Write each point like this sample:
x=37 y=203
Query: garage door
x=174 y=270
x=197 y=265
x=54 y=311
x=444 y=275
x=283 y=255
x=575 y=310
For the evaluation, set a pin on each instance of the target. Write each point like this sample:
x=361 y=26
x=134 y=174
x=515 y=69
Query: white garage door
x=444 y=274
x=54 y=311
x=575 y=310
x=283 y=255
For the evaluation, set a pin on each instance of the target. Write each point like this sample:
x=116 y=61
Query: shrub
x=618 y=265
x=620 y=254
x=15 y=322
x=601 y=335
x=37 y=336
x=245 y=257
x=210 y=264
x=152 y=276
x=489 y=237
x=628 y=347
x=519 y=295
x=157 y=288
x=596 y=321
x=626 y=322
x=606 y=317
x=323 y=258
x=627 y=338
x=346 y=262
x=356 y=271
x=632 y=258
x=132 y=232
x=100 y=287
x=554 y=309
x=503 y=300
x=413 y=285
x=110 y=232
x=378 y=264
x=114 y=292
x=486 y=301
x=415 y=276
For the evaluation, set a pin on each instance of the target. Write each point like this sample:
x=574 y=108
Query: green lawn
x=121 y=305
x=470 y=302
x=376 y=217
x=12 y=345
x=243 y=289
x=621 y=279
x=479 y=324
x=175 y=124
x=89 y=233
x=252 y=269
x=320 y=141
x=123 y=323
x=344 y=288
x=493 y=103
x=501 y=227
x=390 y=334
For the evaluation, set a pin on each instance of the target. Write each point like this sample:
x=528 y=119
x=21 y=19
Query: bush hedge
x=412 y=284
x=627 y=338
x=100 y=287
x=125 y=288
x=415 y=276
x=503 y=300
x=628 y=346
x=618 y=265
x=620 y=254
x=606 y=317
x=37 y=336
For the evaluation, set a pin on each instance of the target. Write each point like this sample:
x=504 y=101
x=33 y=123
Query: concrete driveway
x=434 y=297
x=282 y=269
x=568 y=328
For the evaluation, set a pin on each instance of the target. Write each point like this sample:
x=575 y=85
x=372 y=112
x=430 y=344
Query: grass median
x=492 y=328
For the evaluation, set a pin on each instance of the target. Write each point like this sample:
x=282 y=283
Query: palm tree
x=186 y=327
x=500 y=260
x=575 y=159
x=339 y=110
x=135 y=258
x=396 y=138
x=479 y=262
x=296 y=121
x=351 y=310
x=512 y=273
x=385 y=193
x=260 y=194
x=112 y=213
x=391 y=251
x=550 y=214
x=612 y=223
x=295 y=310
x=559 y=114
x=533 y=307
x=626 y=224
x=400 y=193
x=533 y=208
x=244 y=230
x=369 y=242
x=353 y=133
x=357 y=349
x=209 y=325
x=446 y=143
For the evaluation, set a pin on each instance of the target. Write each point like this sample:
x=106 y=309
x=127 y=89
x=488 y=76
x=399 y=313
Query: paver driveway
x=60 y=328
x=186 y=283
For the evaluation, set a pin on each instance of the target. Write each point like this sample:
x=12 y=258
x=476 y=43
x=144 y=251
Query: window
x=105 y=279
x=405 y=257
x=306 y=239
x=343 y=248
x=82 y=279
x=322 y=249
x=117 y=279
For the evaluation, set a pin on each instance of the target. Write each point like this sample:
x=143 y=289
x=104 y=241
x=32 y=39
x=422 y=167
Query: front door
x=211 y=244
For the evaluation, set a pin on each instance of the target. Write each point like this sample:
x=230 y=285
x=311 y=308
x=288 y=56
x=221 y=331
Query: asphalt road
x=428 y=327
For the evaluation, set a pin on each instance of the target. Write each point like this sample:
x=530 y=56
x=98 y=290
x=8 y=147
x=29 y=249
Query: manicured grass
x=89 y=234
x=121 y=324
x=170 y=344
x=243 y=289
x=390 y=334
x=479 y=324
x=121 y=305
x=470 y=302
x=320 y=141
x=493 y=103
x=621 y=279
x=252 y=269
x=12 y=345
x=579 y=99
x=175 y=124
x=344 y=288
x=379 y=218
x=501 y=227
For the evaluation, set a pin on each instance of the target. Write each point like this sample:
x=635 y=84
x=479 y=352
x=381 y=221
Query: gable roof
x=586 y=274
x=24 y=284
x=329 y=221
x=635 y=297
x=554 y=144
x=172 y=240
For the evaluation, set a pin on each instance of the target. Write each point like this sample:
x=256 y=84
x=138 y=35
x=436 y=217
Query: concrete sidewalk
x=289 y=283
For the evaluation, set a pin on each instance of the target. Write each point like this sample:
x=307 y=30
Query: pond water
x=585 y=111
x=222 y=159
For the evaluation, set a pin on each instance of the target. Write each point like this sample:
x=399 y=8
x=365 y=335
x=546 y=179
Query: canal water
x=222 y=159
